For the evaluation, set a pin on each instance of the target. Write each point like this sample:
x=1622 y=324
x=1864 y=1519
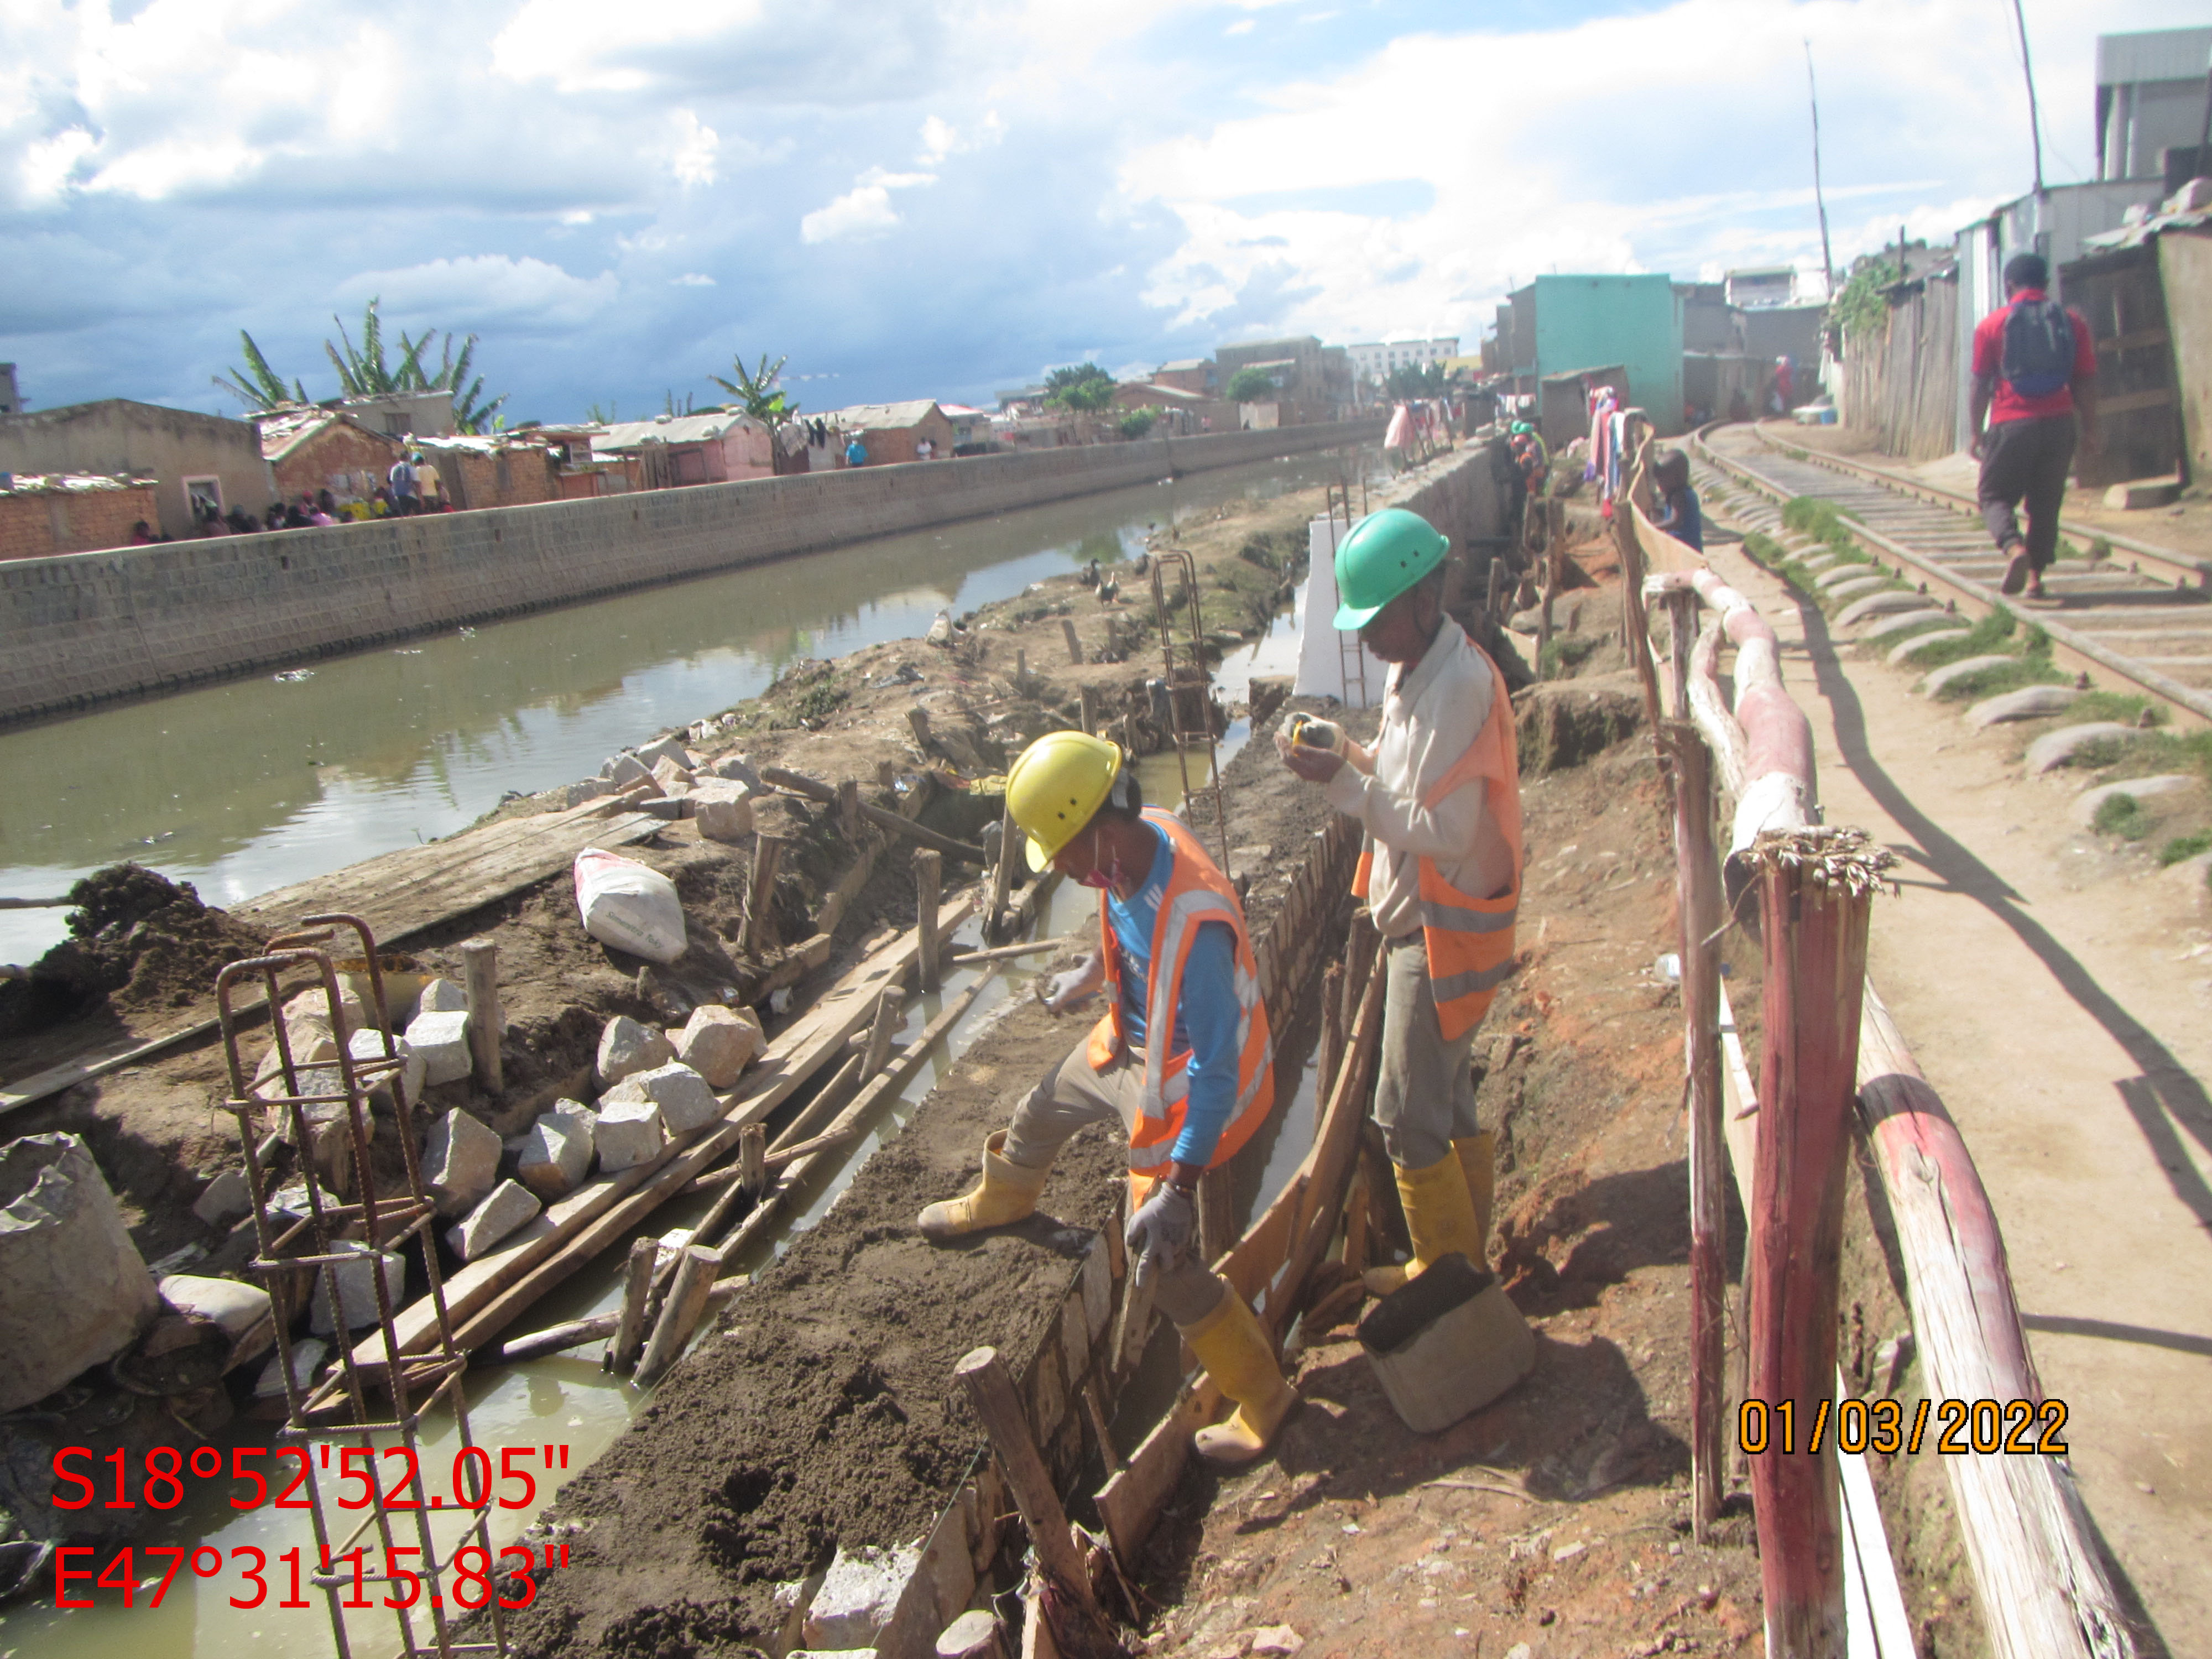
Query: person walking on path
x=2035 y=369
x=405 y=487
x=1181 y=1061
x=1439 y=797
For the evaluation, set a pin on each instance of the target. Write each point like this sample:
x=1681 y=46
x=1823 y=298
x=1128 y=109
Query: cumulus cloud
x=691 y=279
x=864 y=211
x=692 y=161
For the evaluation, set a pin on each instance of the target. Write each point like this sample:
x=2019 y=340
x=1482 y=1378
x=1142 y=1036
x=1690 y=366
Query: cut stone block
x=307 y=1353
x=1887 y=603
x=441 y=996
x=738 y=767
x=722 y=820
x=627 y=1046
x=313 y=1007
x=1920 y=642
x=441 y=1041
x=1964 y=668
x=2056 y=749
x=858 y=1596
x=2141 y=494
x=2142 y=789
x=685 y=1100
x=311 y=1043
x=669 y=773
x=629 y=1132
x=357 y=1277
x=556 y=1153
x=667 y=808
x=509 y=1206
x=73 y=1291
x=460 y=1162
x=663 y=749
x=2030 y=703
x=369 y=1045
x=719 y=1042
x=624 y=770
x=228 y=1197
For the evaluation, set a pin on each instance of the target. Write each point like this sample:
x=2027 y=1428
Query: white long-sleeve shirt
x=1431 y=712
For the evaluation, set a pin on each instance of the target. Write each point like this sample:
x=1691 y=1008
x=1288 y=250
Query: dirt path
x=2057 y=990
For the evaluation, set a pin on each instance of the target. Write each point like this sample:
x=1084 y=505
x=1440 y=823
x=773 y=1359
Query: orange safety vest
x=1469 y=940
x=1196 y=892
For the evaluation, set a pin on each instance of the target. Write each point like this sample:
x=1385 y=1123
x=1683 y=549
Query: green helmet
x=1385 y=554
x=1520 y=427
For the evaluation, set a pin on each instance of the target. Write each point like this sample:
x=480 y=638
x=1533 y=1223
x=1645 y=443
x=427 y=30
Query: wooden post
x=1682 y=629
x=1544 y=597
x=996 y=923
x=917 y=717
x=1496 y=576
x=998 y=1407
x=1698 y=897
x=883 y=1031
x=1113 y=636
x=1074 y=643
x=679 y=1313
x=928 y=876
x=1089 y=694
x=480 y=957
x=760 y=900
x=1217 y=1213
x=637 y=1291
x=848 y=808
x=886 y=775
x=752 y=1160
x=1021 y=669
x=1328 y=1053
x=1816 y=891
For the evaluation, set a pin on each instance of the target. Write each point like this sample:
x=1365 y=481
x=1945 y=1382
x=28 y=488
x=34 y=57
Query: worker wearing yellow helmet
x=1182 y=1058
x=1439 y=797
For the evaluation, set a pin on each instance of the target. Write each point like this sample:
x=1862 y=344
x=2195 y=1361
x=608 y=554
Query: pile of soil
x=137 y=940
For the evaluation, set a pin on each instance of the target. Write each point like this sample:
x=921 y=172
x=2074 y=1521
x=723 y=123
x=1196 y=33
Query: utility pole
x=1820 y=201
x=2034 y=120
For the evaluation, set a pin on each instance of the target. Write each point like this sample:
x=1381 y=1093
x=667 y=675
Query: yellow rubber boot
x=1440 y=1216
x=1235 y=1352
x=1478 y=1159
x=1007 y=1193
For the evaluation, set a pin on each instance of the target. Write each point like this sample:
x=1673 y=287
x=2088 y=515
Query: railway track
x=2139 y=620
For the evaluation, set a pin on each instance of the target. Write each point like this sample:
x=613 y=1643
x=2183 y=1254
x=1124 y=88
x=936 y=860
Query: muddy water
x=251 y=785
x=566 y=1401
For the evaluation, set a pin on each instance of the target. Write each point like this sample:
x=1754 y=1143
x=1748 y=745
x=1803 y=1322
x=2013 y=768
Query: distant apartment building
x=11 y=402
x=1375 y=360
x=1757 y=286
x=2150 y=104
x=1197 y=375
x=1313 y=381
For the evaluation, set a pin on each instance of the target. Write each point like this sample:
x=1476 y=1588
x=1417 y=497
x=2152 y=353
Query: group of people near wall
x=411 y=486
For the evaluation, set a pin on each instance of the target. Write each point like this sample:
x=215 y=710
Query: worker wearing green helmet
x=1438 y=797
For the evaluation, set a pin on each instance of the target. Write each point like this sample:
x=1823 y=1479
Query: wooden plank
x=484 y=1295
x=1130 y=1503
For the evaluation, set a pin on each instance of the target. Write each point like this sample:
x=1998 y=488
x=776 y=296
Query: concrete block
x=624 y=770
x=737 y=767
x=357 y=1277
x=722 y=820
x=668 y=773
x=556 y=1153
x=2141 y=789
x=509 y=1206
x=2139 y=495
x=441 y=1040
x=667 y=808
x=460 y=1162
x=858 y=1596
x=1912 y=647
x=1859 y=587
x=626 y=1046
x=1962 y=669
x=311 y=1043
x=1890 y=602
x=74 y=1290
x=719 y=1042
x=228 y=1197
x=629 y=1131
x=2055 y=749
x=307 y=1353
x=2030 y=703
x=311 y=1007
x=662 y=749
x=368 y=1045
x=685 y=1100
x=441 y=996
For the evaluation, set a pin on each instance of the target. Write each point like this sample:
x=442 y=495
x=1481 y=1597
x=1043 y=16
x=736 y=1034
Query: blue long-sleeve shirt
x=1206 y=1017
x=1679 y=517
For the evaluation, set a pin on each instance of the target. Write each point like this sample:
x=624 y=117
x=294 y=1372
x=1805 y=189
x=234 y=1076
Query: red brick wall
x=87 y=520
x=338 y=448
x=528 y=476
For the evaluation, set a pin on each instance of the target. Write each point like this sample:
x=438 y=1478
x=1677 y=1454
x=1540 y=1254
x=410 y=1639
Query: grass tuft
x=2121 y=706
x=2123 y=816
x=2186 y=847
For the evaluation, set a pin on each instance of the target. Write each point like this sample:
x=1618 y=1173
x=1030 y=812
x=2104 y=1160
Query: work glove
x=1063 y=991
x=1159 y=1235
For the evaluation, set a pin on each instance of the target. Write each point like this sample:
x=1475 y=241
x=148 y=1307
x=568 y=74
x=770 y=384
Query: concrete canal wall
x=85 y=628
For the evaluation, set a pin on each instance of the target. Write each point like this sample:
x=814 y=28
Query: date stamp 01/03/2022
x=392 y=1479
x=1964 y=1428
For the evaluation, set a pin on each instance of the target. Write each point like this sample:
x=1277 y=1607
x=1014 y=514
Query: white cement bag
x=629 y=905
x=73 y=1289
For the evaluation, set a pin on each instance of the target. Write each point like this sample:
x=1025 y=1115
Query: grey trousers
x=2027 y=459
x=1424 y=1088
x=1074 y=1098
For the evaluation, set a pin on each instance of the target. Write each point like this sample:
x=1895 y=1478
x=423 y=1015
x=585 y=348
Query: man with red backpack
x=2035 y=368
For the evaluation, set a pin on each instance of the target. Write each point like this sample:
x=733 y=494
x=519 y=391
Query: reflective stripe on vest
x=1197 y=893
x=1470 y=940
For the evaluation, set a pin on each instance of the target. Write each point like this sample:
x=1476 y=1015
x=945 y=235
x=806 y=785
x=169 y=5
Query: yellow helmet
x=1056 y=786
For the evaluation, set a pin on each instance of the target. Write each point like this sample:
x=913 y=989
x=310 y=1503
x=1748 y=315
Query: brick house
x=310 y=450
x=497 y=470
x=195 y=460
x=671 y=451
x=888 y=432
x=45 y=513
x=1192 y=375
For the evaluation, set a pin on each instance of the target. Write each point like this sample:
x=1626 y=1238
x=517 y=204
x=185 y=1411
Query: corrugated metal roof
x=2153 y=55
x=883 y=416
x=68 y=483
x=673 y=429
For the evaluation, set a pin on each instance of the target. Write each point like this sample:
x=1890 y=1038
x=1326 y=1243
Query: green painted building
x=1563 y=324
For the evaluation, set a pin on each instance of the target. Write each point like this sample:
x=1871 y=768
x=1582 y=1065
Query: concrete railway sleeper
x=2157 y=605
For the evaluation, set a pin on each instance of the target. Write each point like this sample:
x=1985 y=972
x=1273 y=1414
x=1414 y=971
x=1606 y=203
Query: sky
x=943 y=198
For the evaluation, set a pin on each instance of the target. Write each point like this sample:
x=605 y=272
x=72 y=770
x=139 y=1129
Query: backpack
x=2039 y=347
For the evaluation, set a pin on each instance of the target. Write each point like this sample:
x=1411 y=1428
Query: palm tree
x=256 y=385
x=756 y=390
x=366 y=371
